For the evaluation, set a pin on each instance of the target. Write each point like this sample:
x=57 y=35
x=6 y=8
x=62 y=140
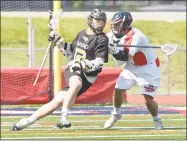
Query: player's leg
x=76 y=87
x=117 y=102
x=75 y=84
x=124 y=82
x=43 y=111
x=151 y=104
x=151 y=82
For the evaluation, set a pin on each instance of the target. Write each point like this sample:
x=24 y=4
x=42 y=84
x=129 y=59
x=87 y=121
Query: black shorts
x=86 y=84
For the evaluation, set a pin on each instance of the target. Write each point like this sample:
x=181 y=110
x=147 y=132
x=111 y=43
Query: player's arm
x=65 y=48
x=101 y=53
x=125 y=55
x=110 y=41
x=122 y=55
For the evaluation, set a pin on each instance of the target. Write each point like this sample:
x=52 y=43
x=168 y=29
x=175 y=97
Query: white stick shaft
x=45 y=56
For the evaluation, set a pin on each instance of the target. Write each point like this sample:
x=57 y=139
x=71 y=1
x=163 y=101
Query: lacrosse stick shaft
x=137 y=46
x=168 y=49
x=45 y=56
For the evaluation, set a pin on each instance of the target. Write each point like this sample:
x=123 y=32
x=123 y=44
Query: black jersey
x=89 y=47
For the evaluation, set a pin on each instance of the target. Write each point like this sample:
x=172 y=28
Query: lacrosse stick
x=54 y=27
x=45 y=56
x=168 y=49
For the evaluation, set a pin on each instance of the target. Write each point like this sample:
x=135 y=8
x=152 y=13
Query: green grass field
x=131 y=127
x=14 y=35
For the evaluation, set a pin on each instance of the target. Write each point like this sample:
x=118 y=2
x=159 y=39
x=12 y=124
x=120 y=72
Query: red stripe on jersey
x=157 y=62
x=128 y=39
x=139 y=57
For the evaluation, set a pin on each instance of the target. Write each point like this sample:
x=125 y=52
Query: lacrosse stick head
x=56 y=16
x=169 y=49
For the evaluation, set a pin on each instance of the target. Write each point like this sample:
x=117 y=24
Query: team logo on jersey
x=85 y=38
x=82 y=45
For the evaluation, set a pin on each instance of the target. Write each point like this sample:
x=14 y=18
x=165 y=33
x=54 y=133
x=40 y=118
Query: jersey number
x=79 y=55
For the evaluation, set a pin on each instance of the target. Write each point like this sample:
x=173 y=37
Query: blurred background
x=107 y=5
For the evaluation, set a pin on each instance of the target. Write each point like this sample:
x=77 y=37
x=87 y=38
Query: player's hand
x=76 y=66
x=79 y=66
x=53 y=37
x=121 y=55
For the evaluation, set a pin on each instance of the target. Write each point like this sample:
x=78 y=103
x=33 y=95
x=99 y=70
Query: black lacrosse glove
x=78 y=66
x=53 y=37
x=121 y=55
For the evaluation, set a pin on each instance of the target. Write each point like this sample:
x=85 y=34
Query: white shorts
x=147 y=77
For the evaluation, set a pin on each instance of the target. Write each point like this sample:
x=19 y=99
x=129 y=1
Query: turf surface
x=131 y=127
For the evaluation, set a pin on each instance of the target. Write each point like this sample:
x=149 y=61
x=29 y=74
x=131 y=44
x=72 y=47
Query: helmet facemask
x=97 y=20
x=97 y=25
x=118 y=29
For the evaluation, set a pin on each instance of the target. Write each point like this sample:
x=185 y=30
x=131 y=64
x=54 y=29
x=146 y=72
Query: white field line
x=133 y=120
x=56 y=112
x=93 y=116
x=38 y=124
x=52 y=127
x=94 y=137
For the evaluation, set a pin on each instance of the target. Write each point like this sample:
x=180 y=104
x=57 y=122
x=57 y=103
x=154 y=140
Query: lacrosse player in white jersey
x=87 y=53
x=142 y=66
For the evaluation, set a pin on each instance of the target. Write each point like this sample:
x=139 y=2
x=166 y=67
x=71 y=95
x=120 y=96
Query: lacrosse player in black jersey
x=87 y=54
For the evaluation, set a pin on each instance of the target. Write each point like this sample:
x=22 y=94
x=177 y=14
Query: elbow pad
x=121 y=55
x=94 y=65
x=64 y=47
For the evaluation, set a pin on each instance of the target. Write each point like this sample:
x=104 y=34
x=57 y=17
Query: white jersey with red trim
x=134 y=37
x=142 y=69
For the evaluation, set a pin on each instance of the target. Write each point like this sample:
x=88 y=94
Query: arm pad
x=64 y=47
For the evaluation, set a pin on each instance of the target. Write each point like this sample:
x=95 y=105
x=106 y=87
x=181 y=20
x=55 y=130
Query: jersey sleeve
x=101 y=49
x=66 y=48
x=140 y=40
